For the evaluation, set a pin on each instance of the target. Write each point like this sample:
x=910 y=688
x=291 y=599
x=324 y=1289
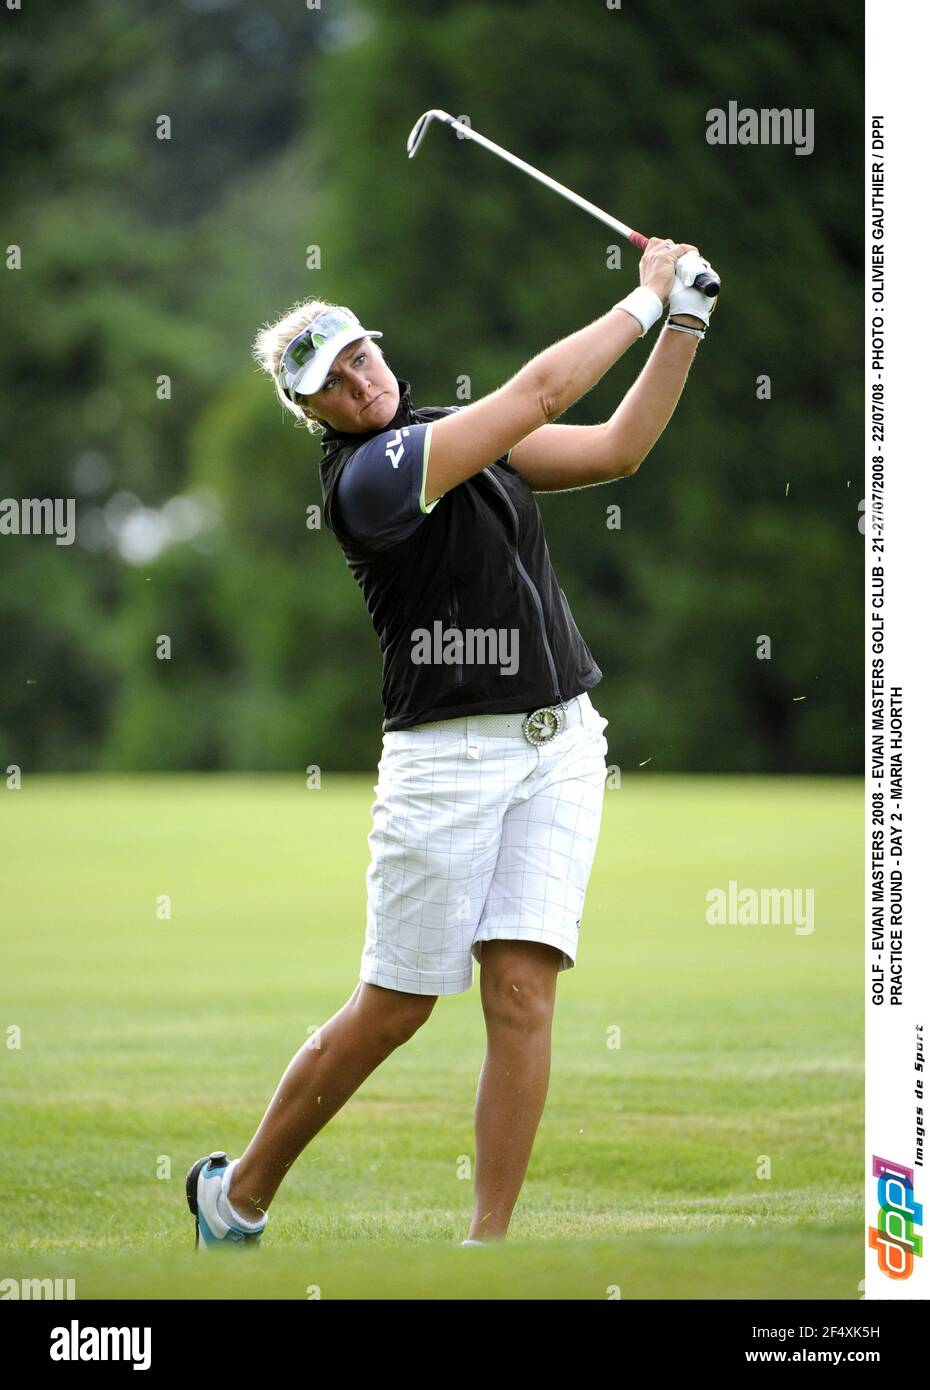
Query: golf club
x=702 y=281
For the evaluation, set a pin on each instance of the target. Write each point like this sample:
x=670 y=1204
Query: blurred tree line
x=147 y=264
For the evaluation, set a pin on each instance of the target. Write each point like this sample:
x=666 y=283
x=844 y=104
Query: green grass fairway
x=717 y=1153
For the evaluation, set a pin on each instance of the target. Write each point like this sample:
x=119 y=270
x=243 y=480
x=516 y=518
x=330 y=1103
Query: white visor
x=321 y=344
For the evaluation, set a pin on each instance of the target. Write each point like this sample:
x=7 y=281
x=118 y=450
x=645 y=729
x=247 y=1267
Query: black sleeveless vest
x=479 y=560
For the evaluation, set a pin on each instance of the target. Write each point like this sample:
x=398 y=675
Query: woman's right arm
x=466 y=442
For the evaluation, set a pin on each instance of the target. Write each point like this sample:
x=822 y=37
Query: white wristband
x=644 y=305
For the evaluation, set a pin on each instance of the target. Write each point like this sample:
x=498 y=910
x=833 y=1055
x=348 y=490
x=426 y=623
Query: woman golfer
x=491 y=781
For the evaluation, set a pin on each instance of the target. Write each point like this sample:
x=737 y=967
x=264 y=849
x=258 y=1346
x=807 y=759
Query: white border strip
x=897 y=512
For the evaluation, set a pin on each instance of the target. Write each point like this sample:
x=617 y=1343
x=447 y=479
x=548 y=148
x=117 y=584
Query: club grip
x=708 y=283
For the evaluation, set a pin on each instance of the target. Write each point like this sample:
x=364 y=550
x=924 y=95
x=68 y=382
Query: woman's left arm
x=555 y=458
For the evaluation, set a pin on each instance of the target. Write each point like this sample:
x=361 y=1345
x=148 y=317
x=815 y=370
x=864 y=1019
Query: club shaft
x=704 y=281
x=554 y=184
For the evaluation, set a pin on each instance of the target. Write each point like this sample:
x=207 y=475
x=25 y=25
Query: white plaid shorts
x=478 y=838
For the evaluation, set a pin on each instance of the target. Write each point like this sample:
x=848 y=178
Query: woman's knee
x=411 y=1017
x=394 y=1015
x=518 y=985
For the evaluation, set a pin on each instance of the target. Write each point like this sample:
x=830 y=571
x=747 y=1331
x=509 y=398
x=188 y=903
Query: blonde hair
x=272 y=338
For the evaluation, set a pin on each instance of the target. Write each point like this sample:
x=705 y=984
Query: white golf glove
x=684 y=299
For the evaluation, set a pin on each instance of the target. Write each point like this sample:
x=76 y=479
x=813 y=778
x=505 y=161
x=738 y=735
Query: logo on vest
x=394 y=448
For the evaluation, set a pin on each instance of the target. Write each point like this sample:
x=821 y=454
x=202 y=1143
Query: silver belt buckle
x=542 y=725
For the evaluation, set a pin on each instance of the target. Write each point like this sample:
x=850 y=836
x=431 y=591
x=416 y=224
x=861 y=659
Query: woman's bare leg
x=518 y=980
x=321 y=1077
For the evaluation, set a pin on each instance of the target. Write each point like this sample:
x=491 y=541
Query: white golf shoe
x=207 y=1179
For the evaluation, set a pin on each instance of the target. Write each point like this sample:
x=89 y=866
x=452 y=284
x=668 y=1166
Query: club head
x=415 y=138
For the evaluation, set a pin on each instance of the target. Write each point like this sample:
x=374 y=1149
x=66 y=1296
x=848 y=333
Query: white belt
x=537 y=726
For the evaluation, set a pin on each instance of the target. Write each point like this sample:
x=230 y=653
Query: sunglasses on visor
x=306 y=345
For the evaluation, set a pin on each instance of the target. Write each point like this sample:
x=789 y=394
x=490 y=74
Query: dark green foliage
x=145 y=258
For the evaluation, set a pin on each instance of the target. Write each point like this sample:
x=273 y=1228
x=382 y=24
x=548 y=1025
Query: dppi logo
x=898 y=1214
